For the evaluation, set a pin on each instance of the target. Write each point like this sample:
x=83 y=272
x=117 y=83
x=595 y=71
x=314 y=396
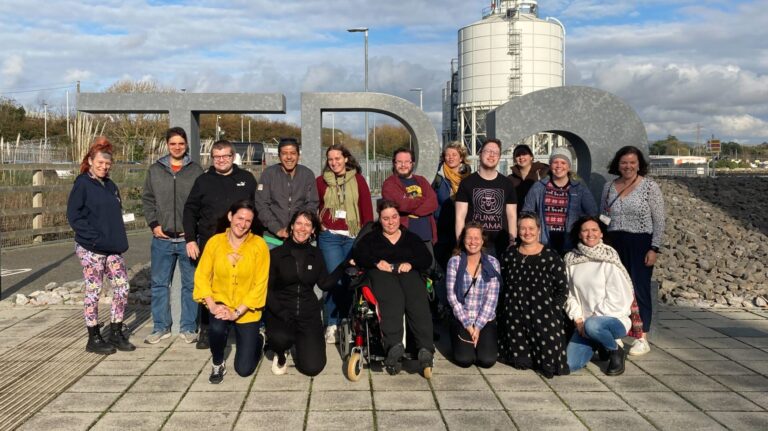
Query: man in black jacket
x=166 y=189
x=205 y=212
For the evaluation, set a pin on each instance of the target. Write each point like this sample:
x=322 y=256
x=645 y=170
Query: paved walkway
x=707 y=370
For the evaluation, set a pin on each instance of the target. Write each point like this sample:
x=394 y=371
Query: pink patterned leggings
x=94 y=267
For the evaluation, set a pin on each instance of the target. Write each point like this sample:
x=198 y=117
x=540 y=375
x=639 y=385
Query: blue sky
x=681 y=64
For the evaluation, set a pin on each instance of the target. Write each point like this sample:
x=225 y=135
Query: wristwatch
x=237 y=313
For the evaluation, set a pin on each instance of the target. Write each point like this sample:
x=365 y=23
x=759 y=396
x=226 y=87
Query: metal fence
x=657 y=171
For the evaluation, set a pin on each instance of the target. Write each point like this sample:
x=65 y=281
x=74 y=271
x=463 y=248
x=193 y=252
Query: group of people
x=527 y=279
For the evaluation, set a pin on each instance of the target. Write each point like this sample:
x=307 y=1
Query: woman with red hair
x=94 y=211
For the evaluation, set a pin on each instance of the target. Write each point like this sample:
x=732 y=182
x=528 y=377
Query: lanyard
x=609 y=205
x=474 y=281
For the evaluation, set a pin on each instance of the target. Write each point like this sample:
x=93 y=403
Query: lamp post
x=364 y=30
x=218 y=117
x=333 y=129
x=421 y=99
x=45 y=123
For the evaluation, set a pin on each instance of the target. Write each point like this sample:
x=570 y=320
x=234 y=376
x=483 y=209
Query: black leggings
x=306 y=335
x=465 y=354
x=399 y=294
x=248 y=343
x=632 y=248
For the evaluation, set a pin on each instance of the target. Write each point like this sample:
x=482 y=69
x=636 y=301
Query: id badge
x=341 y=214
x=605 y=219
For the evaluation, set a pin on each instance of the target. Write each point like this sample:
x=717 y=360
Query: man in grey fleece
x=166 y=188
x=284 y=189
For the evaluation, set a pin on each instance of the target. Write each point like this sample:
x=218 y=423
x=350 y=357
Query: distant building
x=677 y=160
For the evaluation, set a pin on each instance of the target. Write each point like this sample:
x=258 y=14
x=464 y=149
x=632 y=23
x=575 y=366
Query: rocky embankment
x=715 y=248
x=716 y=243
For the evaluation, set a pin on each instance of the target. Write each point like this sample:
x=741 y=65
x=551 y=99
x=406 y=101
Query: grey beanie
x=561 y=153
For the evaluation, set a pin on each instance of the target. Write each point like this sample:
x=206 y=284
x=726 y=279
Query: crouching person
x=231 y=281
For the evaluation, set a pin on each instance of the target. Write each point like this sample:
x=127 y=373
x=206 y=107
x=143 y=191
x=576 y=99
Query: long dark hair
x=642 y=169
x=352 y=163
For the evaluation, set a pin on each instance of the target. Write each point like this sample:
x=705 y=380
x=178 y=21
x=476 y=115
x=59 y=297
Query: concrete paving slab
x=133 y=421
x=523 y=383
x=628 y=383
x=757 y=366
x=232 y=382
x=744 y=383
x=421 y=420
x=615 y=420
x=333 y=382
x=266 y=381
x=147 y=402
x=723 y=343
x=721 y=368
x=662 y=368
x=339 y=420
x=467 y=400
x=81 y=402
x=400 y=382
x=340 y=400
x=460 y=382
x=546 y=421
x=270 y=421
x=185 y=354
x=721 y=402
x=467 y=420
x=175 y=368
x=692 y=383
x=744 y=421
x=211 y=402
x=162 y=383
x=685 y=421
x=404 y=400
x=59 y=421
x=696 y=354
x=120 y=368
x=185 y=421
x=741 y=355
x=500 y=368
x=531 y=401
x=669 y=340
x=102 y=384
x=759 y=398
x=276 y=401
x=589 y=401
x=759 y=342
x=646 y=402
x=581 y=382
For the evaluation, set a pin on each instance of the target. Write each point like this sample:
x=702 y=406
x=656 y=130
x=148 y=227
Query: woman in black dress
x=530 y=312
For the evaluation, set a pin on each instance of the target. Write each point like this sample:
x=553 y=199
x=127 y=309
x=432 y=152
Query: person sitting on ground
x=599 y=298
x=231 y=281
x=393 y=257
x=472 y=281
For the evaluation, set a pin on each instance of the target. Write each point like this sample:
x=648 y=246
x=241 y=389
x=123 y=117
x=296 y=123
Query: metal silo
x=508 y=53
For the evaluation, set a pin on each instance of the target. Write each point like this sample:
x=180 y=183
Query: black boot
x=118 y=338
x=616 y=362
x=426 y=359
x=392 y=363
x=202 y=338
x=96 y=344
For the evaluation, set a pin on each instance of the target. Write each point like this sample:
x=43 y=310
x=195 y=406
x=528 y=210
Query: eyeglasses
x=403 y=163
x=491 y=153
x=222 y=157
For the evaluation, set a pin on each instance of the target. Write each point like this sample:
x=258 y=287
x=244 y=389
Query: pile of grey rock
x=72 y=292
x=716 y=242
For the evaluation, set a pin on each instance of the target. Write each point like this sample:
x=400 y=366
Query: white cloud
x=12 y=70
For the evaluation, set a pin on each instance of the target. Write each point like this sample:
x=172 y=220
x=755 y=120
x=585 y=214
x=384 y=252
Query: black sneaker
x=426 y=359
x=392 y=362
x=202 y=338
x=217 y=373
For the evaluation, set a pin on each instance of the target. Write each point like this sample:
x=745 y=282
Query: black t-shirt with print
x=487 y=200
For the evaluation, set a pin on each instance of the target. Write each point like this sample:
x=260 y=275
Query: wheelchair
x=360 y=334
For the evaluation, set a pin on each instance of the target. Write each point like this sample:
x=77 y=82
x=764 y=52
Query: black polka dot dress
x=530 y=315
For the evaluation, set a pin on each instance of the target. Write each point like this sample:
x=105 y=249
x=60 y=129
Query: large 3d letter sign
x=595 y=122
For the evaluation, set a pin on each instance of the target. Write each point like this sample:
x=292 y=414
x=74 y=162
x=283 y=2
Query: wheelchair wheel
x=354 y=367
x=427 y=373
x=345 y=337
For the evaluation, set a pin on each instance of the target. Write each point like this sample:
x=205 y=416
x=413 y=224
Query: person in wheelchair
x=393 y=259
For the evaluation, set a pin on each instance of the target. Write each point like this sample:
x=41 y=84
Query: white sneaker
x=330 y=334
x=640 y=347
x=276 y=368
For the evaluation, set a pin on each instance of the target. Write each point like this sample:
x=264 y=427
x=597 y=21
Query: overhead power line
x=32 y=90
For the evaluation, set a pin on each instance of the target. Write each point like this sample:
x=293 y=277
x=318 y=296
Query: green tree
x=12 y=117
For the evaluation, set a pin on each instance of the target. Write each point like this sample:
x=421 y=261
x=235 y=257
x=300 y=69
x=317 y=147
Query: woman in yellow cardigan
x=231 y=280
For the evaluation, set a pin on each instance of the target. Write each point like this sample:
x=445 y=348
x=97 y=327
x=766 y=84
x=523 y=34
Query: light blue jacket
x=580 y=203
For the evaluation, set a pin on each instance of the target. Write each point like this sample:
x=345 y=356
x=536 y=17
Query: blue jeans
x=165 y=254
x=600 y=330
x=335 y=249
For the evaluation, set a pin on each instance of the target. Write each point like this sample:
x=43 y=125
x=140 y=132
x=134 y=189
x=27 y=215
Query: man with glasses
x=415 y=198
x=167 y=186
x=489 y=198
x=205 y=212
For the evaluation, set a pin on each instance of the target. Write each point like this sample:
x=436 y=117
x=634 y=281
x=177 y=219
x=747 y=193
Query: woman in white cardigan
x=599 y=298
